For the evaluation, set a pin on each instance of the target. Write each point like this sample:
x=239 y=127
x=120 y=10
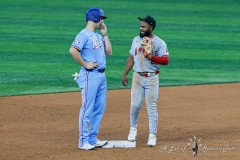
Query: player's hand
x=103 y=29
x=124 y=80
x=91 y=65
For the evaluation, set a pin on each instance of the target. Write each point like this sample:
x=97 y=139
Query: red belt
x=148 y=74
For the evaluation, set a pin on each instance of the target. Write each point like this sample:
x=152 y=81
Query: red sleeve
x=164 y=60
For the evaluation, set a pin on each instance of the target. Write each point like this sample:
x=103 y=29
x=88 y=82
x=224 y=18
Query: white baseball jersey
x=142 y=64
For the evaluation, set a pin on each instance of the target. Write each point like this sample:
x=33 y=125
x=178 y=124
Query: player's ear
x=151 y=27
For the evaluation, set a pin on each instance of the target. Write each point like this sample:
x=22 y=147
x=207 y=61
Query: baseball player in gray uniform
x=147 y=53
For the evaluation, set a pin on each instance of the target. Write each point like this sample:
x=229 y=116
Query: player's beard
x=146 y=34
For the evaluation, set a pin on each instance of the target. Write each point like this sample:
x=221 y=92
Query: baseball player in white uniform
x=145 y=64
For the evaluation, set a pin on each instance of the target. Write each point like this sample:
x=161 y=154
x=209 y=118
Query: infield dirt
x=46 y=126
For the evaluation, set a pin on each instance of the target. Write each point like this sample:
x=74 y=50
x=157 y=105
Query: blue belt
x=101 y=70
x=98 y=70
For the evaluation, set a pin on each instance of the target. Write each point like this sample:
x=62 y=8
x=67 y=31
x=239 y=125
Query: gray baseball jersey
x=142 y=64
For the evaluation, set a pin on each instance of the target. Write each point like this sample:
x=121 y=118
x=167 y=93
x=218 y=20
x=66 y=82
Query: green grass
x=35 y=36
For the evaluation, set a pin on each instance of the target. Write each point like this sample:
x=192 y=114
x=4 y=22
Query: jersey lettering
x=96 y=43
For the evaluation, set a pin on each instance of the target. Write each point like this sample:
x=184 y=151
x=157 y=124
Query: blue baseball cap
x=95 y=15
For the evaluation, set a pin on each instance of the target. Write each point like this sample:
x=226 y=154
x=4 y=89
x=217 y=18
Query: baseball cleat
x=100 y=144
x=152 y=140
x=132 y=134
x=87 y=146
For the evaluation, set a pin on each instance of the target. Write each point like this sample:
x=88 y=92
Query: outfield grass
x=35 y=36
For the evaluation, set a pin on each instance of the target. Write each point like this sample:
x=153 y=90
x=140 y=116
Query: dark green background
x=203 y=39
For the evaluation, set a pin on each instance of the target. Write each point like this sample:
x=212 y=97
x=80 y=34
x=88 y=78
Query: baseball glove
x=147 y=46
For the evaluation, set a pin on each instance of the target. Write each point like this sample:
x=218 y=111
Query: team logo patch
x=167 y=52
x=76 y=41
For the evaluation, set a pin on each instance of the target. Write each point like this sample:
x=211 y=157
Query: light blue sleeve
x=80 y=41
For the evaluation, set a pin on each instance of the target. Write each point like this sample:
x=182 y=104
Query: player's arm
x=78 y=58
x=128 y=67
x=162 y=57
x=108 y=45
x=163 y=60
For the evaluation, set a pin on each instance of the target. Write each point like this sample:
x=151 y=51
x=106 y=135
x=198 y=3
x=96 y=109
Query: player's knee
x=134 y=108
